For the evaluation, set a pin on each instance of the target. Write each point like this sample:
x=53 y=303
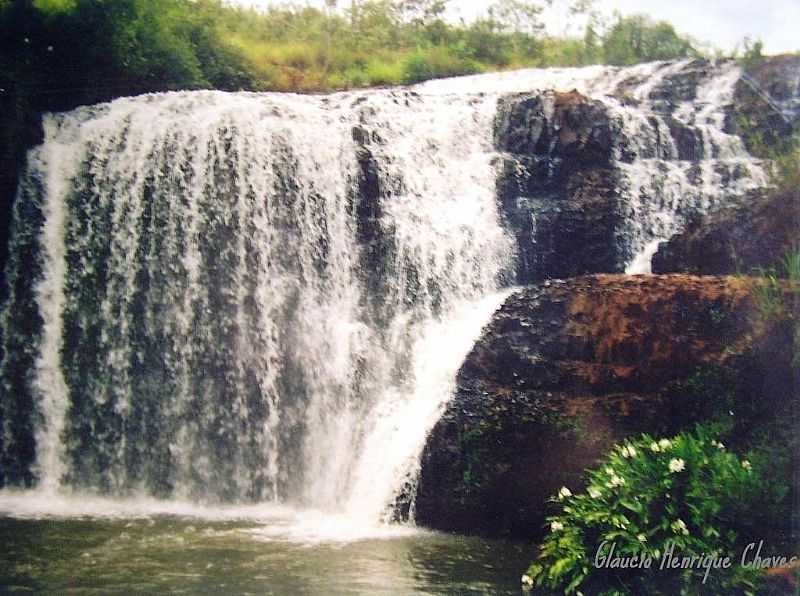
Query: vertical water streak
x=685 y=163
x=57 y=163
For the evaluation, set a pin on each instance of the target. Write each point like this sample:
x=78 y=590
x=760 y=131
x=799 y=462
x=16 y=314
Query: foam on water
x=267 y=521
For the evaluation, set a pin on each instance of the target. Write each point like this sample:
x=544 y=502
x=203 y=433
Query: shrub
x=384 y=73
x=355 y=77
x=635 y=38
x=785 y=166
x=436 y=62
x=416 y=68
x=658 y=501
x=777 y=294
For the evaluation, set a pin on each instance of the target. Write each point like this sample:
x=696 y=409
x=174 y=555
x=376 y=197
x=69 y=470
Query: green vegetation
x=68 y=50
x=777 y=294
x=97 y=48
x=637 y=39
x=379 y=42
x=785 y=164
x=777 y=291
x=659 y=500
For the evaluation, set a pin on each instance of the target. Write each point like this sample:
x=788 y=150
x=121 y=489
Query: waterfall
x=267 y=297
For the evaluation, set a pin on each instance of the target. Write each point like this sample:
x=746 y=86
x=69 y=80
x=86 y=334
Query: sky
x=723 y=23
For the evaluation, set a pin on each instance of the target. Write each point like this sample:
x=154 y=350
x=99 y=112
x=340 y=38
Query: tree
x=520 y=16
x=636 y=38
x=422 y=12
x=752 y=55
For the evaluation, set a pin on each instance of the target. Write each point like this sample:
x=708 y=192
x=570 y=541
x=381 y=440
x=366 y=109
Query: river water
x=100 y=546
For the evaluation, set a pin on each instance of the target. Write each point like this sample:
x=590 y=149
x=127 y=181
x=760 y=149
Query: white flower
x=594 y=493
x=609 y=470
x=615 y=481
x=556 y=526
x=564 y=493
x=665 y=444
x=628 y=451
x=676 y=465
x=746 y=465
x=679 y=527
x=641 y=538
x=527 y=580
x=718 y=445
x=654 y=447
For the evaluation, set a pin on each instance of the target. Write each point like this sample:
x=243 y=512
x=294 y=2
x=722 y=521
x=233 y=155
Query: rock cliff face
x=558 y=188
x=758 y=229
x=749 y=236
x=586 y=184
x=767 y=102
x=568 y=368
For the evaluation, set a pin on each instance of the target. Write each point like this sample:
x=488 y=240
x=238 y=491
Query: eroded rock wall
x=566 y=369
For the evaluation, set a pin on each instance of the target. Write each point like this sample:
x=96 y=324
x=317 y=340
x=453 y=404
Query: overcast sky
x=723 y=23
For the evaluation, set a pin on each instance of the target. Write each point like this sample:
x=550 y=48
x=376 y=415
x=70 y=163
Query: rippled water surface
x=94 y=549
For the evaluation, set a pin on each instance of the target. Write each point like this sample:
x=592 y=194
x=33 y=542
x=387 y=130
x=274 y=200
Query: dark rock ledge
x=568 y=368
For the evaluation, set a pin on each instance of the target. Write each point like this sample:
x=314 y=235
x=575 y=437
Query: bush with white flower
x=648 y=498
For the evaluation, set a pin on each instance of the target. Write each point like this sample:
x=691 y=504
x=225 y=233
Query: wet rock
x=767 y=102
x=754 y=234
x=555 y=125
x=687 y=140
x=376 y=243
x=557 y=187
x=680 y=86
x=537 y=403
x=585 y=186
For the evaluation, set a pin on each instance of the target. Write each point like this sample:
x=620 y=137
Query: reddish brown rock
x=566 y=369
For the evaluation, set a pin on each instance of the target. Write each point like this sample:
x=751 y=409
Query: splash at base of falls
x=272 y=521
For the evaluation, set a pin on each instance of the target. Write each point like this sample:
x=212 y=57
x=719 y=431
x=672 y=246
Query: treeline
x=388 y=42
x=63 y=51
x=99 y=48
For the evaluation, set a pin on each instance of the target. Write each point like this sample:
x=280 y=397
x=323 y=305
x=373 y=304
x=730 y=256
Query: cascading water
x=266 y=297
x=207 y=333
